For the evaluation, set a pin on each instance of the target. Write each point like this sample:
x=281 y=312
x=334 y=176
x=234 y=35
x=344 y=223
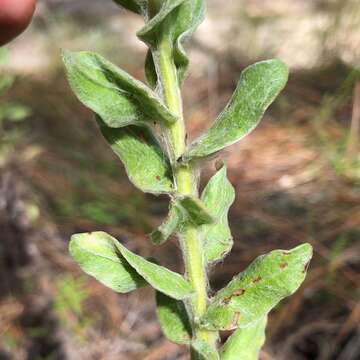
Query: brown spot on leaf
x=227 y=299
x=239 y=292
x=236 y=320
x=256 y=280
x=158 y=178
x=283 y=265
x=286 y=253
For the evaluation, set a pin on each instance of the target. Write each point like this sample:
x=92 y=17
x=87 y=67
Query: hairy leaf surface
x=253 y=293
x=146 y=164
x=245 y=344
x=110 y=92
x=258 y=87
x=217 y=197
x=173 y=319
x=98 y=256
x=159 y=277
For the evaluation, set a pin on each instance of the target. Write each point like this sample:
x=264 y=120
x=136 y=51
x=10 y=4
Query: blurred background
x=297 y=178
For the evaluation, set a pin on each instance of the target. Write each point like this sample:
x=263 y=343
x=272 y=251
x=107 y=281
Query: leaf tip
x=75 y=241
x=66 y=55
x=87 y=239
x=282 y=69
x=278 y=69
x=305 y=251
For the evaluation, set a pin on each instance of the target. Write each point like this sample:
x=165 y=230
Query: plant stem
x=186 y=185
x=172 y=97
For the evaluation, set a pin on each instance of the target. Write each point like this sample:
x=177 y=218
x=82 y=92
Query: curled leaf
x=154 y=27
x=195 y=210
x=184 y=210
x=171 y=224
x=176 y=20
x=217 y=197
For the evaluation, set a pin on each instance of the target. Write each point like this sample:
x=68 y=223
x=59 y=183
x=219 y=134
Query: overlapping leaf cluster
x=127 y=112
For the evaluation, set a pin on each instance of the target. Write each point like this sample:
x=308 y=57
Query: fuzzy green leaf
x=171 y=224
x=190 y=16
x=254 y=292
x=200 y=350
x=98 y=256
x=195 y=210
x=258 y=87
x=173 y=319
x=156 y=26
x=160 y=278
x=110 y=92
x=174 y=21
x=145 y=162
x=218 y=196
x=245 y=344
x=132 y=5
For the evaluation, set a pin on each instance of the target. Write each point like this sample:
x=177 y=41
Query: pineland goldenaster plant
x=144 y=126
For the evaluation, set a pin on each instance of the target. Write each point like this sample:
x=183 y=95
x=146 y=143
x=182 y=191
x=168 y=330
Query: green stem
x=172 y=97
x=186 y=185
